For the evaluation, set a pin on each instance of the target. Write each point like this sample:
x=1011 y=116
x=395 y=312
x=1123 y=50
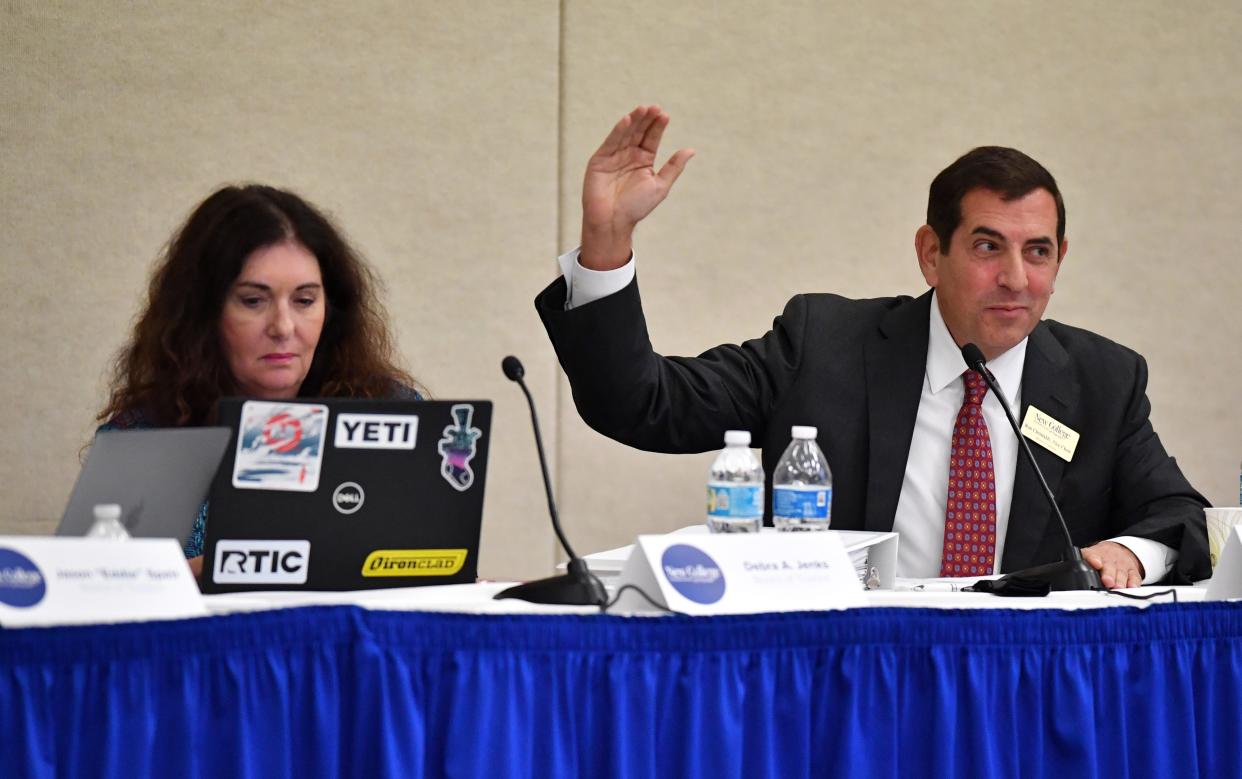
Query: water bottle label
x=805 y=502
x=734 y=500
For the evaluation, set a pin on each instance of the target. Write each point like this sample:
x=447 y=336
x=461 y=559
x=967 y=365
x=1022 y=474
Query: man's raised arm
x=622 y=186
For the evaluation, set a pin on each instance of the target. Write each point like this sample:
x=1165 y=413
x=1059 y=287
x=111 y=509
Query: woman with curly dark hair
x=257 y=295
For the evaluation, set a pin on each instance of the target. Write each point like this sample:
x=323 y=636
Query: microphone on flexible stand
x=578 y=586
x=1071 y=574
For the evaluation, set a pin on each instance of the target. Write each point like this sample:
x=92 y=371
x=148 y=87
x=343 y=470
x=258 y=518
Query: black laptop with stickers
x=343 y=494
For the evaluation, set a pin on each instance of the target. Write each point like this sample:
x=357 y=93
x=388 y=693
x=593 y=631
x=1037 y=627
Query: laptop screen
x=159 y=478
x=341 y=494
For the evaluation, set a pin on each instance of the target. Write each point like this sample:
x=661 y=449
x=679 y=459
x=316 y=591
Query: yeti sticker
x=457 y=448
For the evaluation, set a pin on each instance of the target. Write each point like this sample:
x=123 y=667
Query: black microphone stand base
x=575 y=588
x=1063 y=576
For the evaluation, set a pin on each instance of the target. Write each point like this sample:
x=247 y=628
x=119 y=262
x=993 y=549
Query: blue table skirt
x=871 y=693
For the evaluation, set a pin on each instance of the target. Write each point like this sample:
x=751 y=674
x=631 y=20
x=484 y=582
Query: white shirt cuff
x=584 y=285
x=1156 y=558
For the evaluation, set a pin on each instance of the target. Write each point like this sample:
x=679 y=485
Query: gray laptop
x=158 y=476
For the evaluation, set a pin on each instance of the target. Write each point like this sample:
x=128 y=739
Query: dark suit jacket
x=854 y=369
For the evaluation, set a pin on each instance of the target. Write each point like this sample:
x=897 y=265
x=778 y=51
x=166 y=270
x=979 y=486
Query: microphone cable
x=1148 y=596
x=643 y=594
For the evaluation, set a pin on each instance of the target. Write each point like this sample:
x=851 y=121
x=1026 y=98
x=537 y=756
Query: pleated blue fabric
x=894 y=692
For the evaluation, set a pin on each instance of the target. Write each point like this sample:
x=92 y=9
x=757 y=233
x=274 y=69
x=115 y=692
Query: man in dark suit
x=885 y=382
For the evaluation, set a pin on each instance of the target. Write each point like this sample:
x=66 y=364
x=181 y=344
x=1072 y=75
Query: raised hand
x=622 y=186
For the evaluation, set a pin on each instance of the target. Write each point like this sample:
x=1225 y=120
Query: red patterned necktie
x=970 y=510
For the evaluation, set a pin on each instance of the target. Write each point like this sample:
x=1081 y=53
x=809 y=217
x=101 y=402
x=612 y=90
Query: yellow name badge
x=414 y=562
x=1049 y=433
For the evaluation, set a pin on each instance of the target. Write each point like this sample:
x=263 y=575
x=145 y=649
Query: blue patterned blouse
x=135 y=419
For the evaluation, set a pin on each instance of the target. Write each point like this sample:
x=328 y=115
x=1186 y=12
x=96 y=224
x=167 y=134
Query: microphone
x=1072 y=574
x=578 y=586
x=514 y=371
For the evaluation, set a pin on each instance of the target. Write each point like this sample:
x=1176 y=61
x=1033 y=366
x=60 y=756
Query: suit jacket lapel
x=1047 y=384
x=896 y=363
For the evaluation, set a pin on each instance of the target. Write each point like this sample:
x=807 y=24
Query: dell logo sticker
x=348 y=497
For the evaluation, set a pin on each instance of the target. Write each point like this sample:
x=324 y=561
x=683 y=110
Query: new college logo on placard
x=21 y=582
x=375 y=431
x=250 y=561
x=457 y=448
x=693 y=573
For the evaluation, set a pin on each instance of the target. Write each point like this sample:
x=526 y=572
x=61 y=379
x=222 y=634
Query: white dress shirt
x=920 y=509
x=921 y=506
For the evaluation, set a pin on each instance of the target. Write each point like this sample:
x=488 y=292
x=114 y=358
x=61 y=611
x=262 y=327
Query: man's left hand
x=1117 y=565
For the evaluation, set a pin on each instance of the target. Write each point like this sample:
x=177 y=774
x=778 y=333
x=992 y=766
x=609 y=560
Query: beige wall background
x=449 y=140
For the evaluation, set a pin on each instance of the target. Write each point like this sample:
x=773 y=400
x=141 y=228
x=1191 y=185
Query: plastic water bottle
x=107 y=524
x=735 y=487
x=802 y=485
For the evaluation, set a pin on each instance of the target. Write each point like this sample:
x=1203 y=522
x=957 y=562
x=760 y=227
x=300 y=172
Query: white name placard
x=66 y=581
x=741 y=573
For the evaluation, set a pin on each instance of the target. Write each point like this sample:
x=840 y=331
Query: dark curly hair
x=174 y=370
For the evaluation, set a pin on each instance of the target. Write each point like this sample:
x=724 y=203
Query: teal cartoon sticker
x=458 y=447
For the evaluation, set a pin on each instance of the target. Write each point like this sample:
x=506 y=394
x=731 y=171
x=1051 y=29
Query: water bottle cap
x=737 y=438
x=805 y=431
x=107 y=511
